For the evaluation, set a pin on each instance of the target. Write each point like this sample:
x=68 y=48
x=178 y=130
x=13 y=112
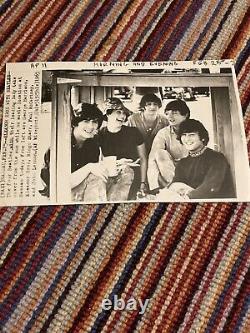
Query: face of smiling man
x=116 y=119
x=192 y=142
x=86 y=129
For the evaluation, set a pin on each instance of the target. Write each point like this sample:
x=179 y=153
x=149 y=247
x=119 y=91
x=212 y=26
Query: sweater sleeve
x=213 y=179
x=159 y=142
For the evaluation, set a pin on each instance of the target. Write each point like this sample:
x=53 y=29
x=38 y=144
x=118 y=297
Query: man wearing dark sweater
x=205 y=173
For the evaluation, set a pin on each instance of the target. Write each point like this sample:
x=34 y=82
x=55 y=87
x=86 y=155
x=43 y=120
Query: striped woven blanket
x=189 y=261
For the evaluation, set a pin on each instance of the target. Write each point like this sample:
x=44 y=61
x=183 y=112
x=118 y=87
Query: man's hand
x=123 y=161
x=128 y=162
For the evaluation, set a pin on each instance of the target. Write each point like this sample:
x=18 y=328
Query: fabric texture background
x=190 y=260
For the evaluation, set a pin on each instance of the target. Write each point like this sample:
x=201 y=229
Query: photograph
x=140 y=133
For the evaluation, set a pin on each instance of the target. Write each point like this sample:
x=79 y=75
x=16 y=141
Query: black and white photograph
x=144 y=134
x=132 y=132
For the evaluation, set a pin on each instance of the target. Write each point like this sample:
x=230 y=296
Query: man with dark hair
x=180 y=106
x=86 y=111
x=86 y=120
x=126 y=143
x=88 y=176
x=149 y=120
x=204 y=173
x=150 y=98
x=166 y=150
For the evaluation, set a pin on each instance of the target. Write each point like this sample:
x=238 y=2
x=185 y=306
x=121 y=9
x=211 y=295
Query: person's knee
x=166 y=167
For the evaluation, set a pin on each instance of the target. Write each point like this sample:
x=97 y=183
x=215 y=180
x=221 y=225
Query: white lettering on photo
x=120 y=304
